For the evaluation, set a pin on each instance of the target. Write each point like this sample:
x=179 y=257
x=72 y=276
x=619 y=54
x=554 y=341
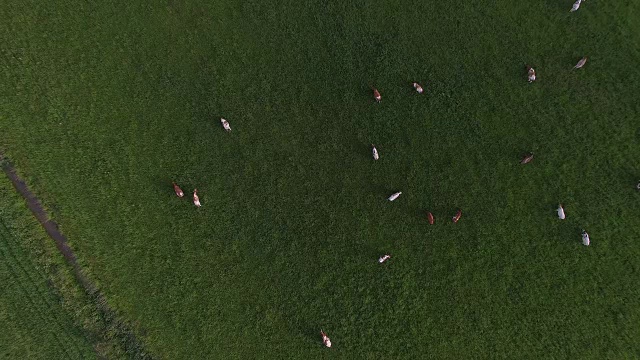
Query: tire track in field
x=127 y=338
x=37 y=303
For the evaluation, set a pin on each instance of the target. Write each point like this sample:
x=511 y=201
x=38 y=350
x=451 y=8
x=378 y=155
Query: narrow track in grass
x=131 y=344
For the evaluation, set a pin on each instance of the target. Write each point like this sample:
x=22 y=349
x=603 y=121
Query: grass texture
x=36 y=324
x=103 y=104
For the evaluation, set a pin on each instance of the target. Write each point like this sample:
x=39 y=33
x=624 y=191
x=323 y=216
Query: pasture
x=35 y=323
x=104 y=104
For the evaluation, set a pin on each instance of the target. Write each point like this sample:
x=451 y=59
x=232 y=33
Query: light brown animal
x=457 y=217
x=376 y=94
x=178 y=191
x=527 y=159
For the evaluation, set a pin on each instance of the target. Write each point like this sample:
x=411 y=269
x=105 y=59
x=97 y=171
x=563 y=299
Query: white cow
x=417 y=87
x=196 y=199
x=531 y=74
x=581 y=63
x=561 y=215
x=585 y=238
x=325 y=339
x=225 y=124
x=384 y=258
x=394 y=196
x=375 y=152
x=576 y=6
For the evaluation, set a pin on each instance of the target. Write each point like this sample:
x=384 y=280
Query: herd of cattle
x=531 y=77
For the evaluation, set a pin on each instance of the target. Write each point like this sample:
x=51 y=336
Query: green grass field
x=35 y=323
x=104 y=104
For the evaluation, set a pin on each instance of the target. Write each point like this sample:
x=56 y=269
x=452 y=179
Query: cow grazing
x=376 y=94
x=225 y=124
x=430 y=218
x=384 y=258
x=531 y=74
x=527 y=158
x=325 y=339
x=638 y=186
x=585 y=238
x=576 y=6
x=561 y=215
x=375 y=152
x=581 y=63
x=178 y=191
x=457 y=217
x=417 y=87
x=394 y=196
x=196 y=199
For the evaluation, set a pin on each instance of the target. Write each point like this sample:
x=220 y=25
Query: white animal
x=384 y=258
x=531 y=74
x=394 y=196
x=196 y=199
x=417 y=87
x=561 y=215
x=638 y=185
x=325 y=339
x=225 y=124
x=375 y=152
x=581 y=63
x=576 y=6
x=585 y=238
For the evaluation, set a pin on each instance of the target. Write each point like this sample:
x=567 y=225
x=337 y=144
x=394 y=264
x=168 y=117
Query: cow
x=225 y=124
x=178 y=191
x=457 y=216
x=376 y=94
x=325 y=339
x=585 y=238
x=531 y=74
x=527 y=158
x=196 y=199
x=576 y=6
x=581 y=63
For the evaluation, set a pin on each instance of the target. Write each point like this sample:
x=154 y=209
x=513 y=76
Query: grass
x=36 y=323
x=103 y=105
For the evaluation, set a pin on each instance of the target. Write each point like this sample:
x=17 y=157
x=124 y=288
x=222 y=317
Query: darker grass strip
x=123 y=334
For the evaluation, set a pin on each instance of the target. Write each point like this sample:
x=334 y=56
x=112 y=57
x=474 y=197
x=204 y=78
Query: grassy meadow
x=104 y=104
x=36 y=324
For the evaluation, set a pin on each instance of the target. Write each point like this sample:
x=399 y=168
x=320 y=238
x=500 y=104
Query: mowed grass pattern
x=34 y=324
x=103 y=105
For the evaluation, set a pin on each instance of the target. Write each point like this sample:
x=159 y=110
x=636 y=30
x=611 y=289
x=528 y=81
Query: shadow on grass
x=361 y=148
x=368 y=252
x=382 y=191
x=629 y=178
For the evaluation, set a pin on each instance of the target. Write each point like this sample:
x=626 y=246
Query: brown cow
x=376 y=94
x=457 y=217
x=430 y=217
x=178 y=191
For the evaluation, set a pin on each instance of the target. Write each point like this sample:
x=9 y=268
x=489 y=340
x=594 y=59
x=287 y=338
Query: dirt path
x=131 y=345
